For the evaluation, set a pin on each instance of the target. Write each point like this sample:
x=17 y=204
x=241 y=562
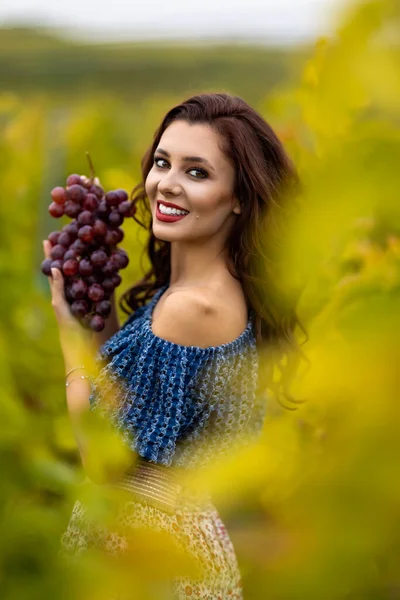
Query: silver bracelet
x=74 y=378
x=74 y=369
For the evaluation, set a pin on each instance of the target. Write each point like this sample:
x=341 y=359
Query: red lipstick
x=168 y=218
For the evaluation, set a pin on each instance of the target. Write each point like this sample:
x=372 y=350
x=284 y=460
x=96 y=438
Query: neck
x=196 y=264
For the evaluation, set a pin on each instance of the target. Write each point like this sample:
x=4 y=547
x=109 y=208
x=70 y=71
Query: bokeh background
x=314 y=508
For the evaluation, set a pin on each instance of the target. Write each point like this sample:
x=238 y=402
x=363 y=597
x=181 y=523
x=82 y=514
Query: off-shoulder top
x=178 y=405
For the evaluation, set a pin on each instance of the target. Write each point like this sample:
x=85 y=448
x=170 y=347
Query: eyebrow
x=199 y=159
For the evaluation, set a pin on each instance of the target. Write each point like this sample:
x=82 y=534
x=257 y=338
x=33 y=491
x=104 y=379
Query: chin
x=161 y=235
x=167 y=236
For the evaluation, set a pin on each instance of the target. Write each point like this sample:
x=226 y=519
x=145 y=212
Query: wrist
x=78 y=375
x=75 y=347
x=78 y=370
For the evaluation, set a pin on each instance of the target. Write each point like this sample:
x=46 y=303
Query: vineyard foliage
x=314 y=506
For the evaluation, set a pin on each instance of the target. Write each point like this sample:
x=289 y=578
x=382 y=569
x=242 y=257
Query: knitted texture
x=173 y=404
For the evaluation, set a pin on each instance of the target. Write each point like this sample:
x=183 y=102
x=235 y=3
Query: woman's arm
x=78 y=347
x=78 y=391
x=78 y=350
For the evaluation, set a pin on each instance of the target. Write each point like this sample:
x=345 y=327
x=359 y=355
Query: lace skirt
x=194 y=525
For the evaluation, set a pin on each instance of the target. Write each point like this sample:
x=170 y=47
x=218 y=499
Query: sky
x=258 y=20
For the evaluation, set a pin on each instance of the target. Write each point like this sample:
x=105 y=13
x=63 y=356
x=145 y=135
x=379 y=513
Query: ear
x=236 y=208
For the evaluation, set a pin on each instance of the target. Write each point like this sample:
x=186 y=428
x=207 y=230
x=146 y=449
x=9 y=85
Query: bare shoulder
x=197 y=317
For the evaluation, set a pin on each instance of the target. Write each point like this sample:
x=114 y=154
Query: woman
x=183 y=371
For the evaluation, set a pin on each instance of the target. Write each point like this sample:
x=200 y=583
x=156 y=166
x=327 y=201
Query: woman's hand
x=72 y=335
x=75 y=340
x=59 y=303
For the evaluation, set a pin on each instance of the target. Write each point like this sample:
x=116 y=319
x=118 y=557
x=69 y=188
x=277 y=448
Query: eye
x=156 y=159
x=203 y=173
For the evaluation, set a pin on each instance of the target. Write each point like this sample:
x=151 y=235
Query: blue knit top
x=178 y=405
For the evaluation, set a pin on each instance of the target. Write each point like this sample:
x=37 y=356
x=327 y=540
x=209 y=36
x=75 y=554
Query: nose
x=168 y=184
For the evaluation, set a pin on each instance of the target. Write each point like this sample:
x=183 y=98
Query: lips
x=168 y=218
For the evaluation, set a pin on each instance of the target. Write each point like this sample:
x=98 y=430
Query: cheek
x=151 y=183
x=212 y=201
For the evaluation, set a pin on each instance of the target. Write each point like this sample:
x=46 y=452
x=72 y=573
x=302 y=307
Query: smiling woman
x=180 y=380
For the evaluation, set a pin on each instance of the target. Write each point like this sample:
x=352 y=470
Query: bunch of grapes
x=86 y=249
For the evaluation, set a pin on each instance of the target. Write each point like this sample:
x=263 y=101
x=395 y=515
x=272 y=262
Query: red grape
x=122 y=195
x=71 y=253
x=85 y=267
x=70 y=267
x=57 y=264
x=115 y=219
x=116 y=279
x=111 y=237
x=110 y=268
x=85 y=218
x=91 y=202
x=64 y=239
x=78 y=289
x=73 y=180
x=56 y=210
x=46 y=266
x=103 y=209
x=79 y=308
x=72 y=209
x=53 y=237
x=121 y=259
x=76 y=193
x=71 y=229
x=108 y=285
x=99 y=228
x=58 y=195
x=97 y=190
x=97 y=323
x=120 y=233
x=57 y=252
x=103 y=308
x=86 y=233
x=91 y=279
x=99 y=258
x=125 y=208
x=112 y=199
x=80 y=247
x=95 y=292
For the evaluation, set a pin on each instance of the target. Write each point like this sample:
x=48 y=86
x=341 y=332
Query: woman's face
x=190 y=171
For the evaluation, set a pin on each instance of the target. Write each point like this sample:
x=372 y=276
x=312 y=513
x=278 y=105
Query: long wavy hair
x=267 y=186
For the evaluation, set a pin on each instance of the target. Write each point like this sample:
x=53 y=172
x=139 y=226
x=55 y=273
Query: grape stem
x=91 y=167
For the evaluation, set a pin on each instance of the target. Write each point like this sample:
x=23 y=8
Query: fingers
x=56 y=280
x=57 y=287
x=46 y=248
x=58 y=300
x=46 y=251
x=57 y=276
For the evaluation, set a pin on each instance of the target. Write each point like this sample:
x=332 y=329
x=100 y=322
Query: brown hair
x=267 y=186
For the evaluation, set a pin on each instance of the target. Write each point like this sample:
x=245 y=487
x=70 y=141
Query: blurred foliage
x=313 y=508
